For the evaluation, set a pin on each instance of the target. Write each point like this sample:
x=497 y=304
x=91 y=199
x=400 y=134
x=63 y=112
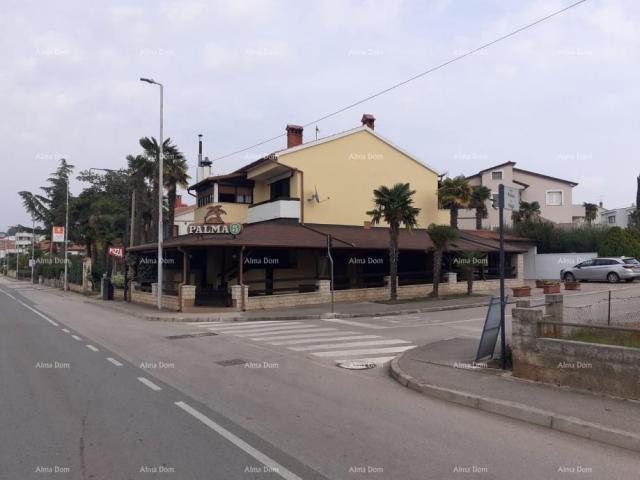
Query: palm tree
x=454 y=194
x=440 y=235
x=152 y=151
x=590 y=212
x=140 y=168
x=175 y=175
x=529 y=212
x=479 y=198
x=468 y=263
x=395 y=207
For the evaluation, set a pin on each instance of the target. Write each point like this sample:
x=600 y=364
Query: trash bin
x=107 y=288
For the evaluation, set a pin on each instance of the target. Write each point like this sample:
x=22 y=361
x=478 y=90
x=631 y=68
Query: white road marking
x=92 y=348
x=41 y=315
x=114 y=361
x=149 y=384
x=273 y=466
x=253 y=331
x=229 y=324
x=269 y=335
x=379 y=361
x=369 y=343
x=324 y=339
x=355 y=324
x=65 y=330
x=364 y=351
x=251 y=325
x=334 y=331
x=75 y=337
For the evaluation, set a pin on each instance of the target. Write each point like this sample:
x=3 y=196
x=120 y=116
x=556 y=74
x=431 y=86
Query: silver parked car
x=609 y=269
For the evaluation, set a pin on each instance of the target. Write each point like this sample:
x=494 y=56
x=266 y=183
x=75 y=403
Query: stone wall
x=169 y=302
x=608 y=369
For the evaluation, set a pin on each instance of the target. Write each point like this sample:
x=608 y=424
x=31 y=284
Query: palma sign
x=215 y=229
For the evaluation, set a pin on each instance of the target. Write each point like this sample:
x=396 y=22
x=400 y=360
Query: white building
x=184 y=216
x=617 y=217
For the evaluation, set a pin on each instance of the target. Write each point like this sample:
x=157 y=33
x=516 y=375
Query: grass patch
x=619 y=339
x=431 y=299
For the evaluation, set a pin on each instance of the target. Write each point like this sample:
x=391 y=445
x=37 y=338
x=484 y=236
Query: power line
x=411 y=79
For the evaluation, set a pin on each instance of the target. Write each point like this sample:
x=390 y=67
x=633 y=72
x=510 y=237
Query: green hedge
x=551 y=239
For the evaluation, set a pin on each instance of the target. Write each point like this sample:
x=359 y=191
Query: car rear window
x=630 y=261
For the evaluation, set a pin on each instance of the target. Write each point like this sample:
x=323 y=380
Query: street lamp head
x=148 y=80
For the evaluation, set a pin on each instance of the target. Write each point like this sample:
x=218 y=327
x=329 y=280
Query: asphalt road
x=299 y=411
x=71 y=409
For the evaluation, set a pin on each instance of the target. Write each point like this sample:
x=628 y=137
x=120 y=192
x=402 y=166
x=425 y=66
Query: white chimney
x=204 y=166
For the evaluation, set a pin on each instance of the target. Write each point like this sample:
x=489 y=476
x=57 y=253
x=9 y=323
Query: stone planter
x=539 y=283
x=551 y=288
x=572 y=285
x=521 y=291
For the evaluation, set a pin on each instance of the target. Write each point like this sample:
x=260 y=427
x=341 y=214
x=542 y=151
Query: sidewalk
x=432 y=370
x=308 y=312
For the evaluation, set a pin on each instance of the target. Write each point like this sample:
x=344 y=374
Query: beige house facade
x=555 y=195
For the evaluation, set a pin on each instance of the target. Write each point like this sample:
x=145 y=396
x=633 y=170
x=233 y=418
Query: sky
x=560 y=99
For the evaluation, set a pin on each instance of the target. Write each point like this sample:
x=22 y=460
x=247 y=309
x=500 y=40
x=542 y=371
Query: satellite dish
x=316 y=196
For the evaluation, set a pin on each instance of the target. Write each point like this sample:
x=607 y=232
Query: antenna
x=316 y=196
x=317 y=131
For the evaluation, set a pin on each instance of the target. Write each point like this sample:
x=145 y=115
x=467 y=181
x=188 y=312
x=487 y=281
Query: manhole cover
x=355 y=365
x=231 y=362
x=191 y=335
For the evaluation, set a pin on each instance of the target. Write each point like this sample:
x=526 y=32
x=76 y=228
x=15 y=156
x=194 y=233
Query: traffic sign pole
x=503 y=337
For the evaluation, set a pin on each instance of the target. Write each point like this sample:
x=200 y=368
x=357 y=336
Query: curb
x=112 y=305
x=518 y=411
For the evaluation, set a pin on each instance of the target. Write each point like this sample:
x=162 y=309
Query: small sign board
x=57 y=235
x=117 y=252
x=32 y=263
x=490 y=330
x=511 y=198
x=215 y=228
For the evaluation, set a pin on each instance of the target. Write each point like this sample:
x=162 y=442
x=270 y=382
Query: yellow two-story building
x=265 y=229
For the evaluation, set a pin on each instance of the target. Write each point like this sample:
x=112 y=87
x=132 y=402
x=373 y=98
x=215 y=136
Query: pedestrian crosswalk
x=320 y=341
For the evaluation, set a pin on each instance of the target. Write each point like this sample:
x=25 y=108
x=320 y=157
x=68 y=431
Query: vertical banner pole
x=503 y=341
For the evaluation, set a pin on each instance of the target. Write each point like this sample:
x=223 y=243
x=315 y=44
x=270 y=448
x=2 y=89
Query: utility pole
x=17 y=256
x=503 y=342
x=33 y=248
x=66 y=242
x=160 y=191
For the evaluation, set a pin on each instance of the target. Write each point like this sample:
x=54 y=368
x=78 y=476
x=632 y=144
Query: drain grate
x=191 y=335
x=231 y=362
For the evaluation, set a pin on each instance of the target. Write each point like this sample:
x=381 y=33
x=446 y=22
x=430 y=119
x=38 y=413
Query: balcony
x=284 y=208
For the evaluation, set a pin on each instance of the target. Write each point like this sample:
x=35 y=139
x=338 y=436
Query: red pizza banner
x=117 y=252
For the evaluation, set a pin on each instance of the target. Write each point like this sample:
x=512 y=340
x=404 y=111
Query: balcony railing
x=284 y=208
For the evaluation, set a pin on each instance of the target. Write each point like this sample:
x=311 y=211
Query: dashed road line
x=114 y=361
x=92 y=348
x=149 y=384
x=65 y=330
x=75 y=337
x=273 y=466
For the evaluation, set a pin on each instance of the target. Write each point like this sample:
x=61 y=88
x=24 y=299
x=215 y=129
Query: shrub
x=618 y=242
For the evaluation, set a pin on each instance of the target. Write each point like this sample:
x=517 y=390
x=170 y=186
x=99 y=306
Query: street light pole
x=33 y=248
x=160 y=190
x=66 y=242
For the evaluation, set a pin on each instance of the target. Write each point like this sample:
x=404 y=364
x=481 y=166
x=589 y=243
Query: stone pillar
x=154 y=289
x=524 y=328
x=187 y=297
x=553 y=310
x=452 y=279
x=239 y=297
x=324 y=287
x=520 y=268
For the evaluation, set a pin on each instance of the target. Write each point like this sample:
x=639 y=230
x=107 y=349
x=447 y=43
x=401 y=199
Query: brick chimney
x=294 y=135
x=368 y=120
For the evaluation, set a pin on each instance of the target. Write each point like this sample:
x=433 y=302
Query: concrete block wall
x=608 y=369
